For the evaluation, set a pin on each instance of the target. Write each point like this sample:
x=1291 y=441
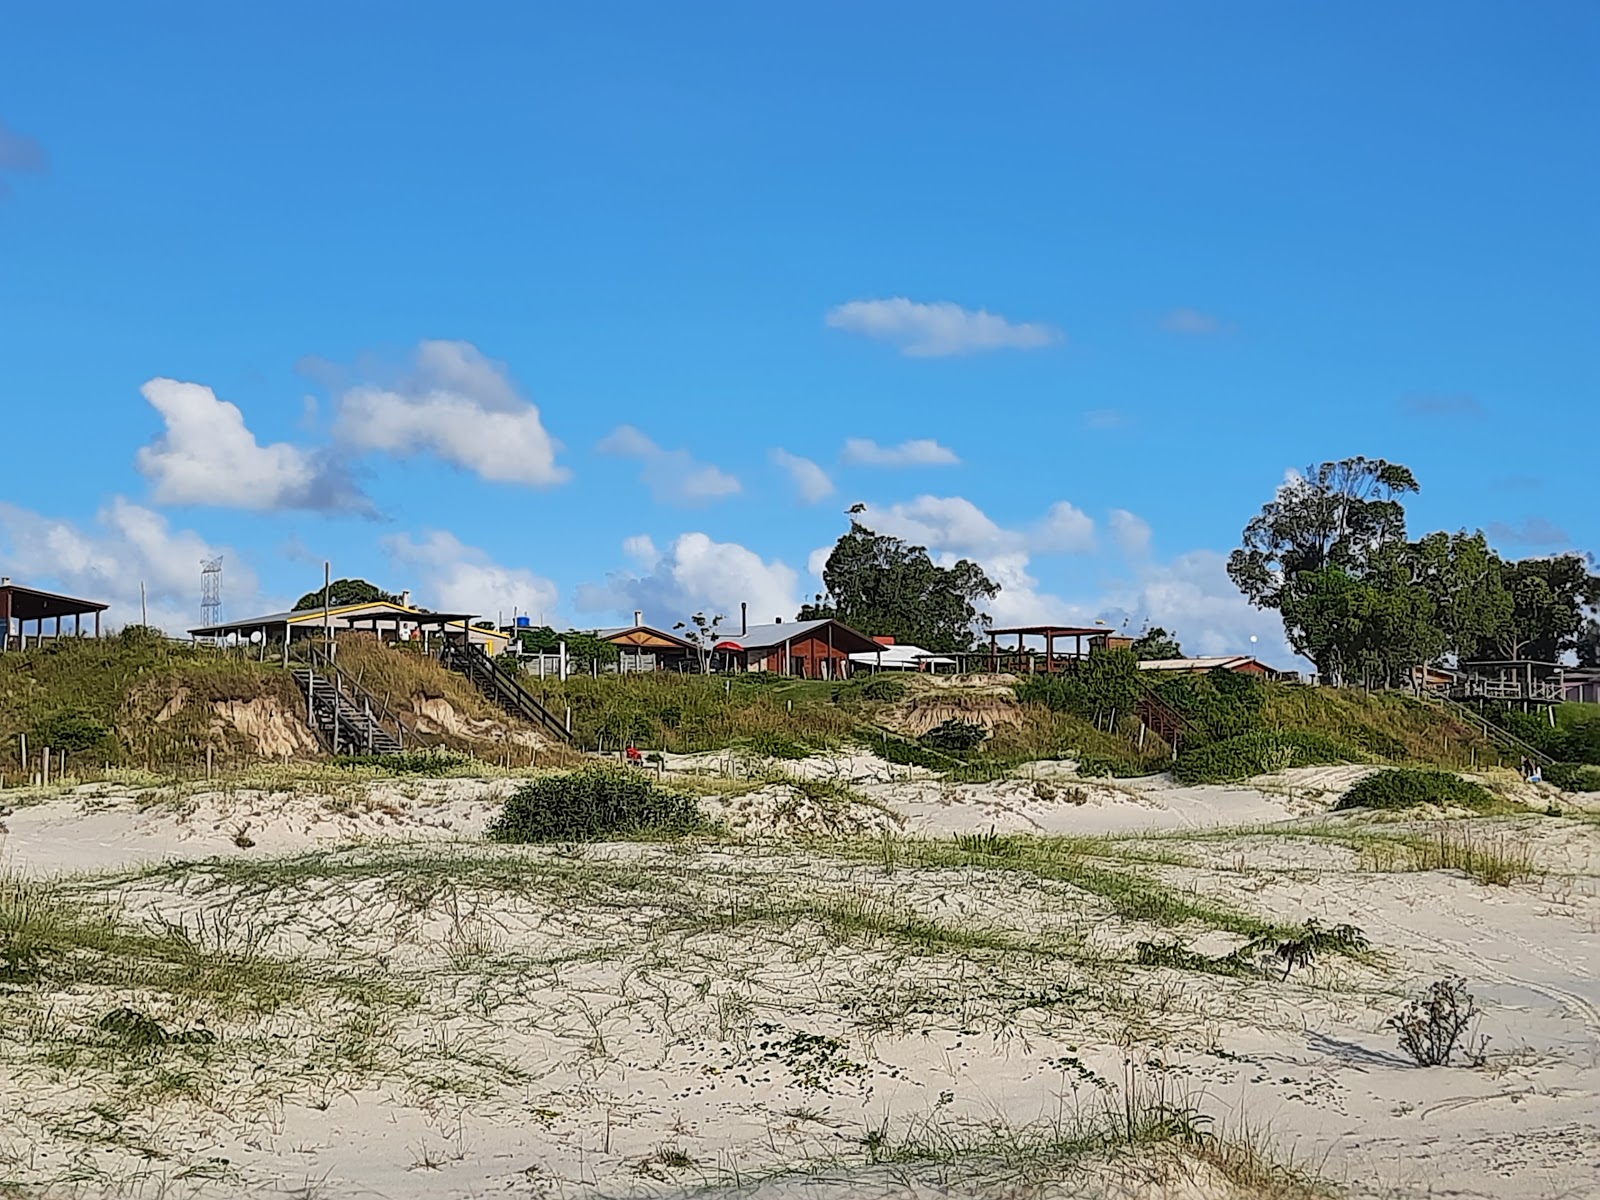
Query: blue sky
x=582 y=309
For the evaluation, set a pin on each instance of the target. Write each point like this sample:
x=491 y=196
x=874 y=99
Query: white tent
x=902 y=658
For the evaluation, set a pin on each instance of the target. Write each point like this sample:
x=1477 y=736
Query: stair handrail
x=1491 y=731
x=375 y=707
x=474 y=659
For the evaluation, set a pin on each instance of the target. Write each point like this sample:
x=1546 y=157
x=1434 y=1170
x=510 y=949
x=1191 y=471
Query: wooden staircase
x=346 y=724
x=1495 y=734
x=502 y=687
x=1161 y=718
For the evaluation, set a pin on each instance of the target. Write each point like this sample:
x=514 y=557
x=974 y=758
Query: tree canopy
x=1155 y=642
x=344 y=591
x=1330 y=553
x=883 y=586
x=582 y=648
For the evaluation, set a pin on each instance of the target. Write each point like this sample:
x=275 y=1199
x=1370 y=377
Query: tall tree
x=703 y=633
x=1549 y=598
x=884 y=586
x=344 y=591
x=1339 y=514
x=1588 y=646
x=1156 y=642
x=1308 y=553
x=1466 y=581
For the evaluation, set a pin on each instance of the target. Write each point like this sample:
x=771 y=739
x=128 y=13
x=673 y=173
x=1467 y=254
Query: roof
x=30 y=604
x=1056 y=630
x=1223 y=662
x=900 y=655
x=339 y=615
x=622 y=631
x=763 y=637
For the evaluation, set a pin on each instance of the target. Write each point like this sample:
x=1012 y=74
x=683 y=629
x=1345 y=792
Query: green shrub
x=1216 y=706
x=1258 y=754
x=775 y=745
x=1573 y=777
x=436 y=761
x=1095 y=766
x=1104 y=682
x=1407 y=787
x=70 y=731
x=877 y=688
x=955 y=737
x=593 y=803
x=910 y=754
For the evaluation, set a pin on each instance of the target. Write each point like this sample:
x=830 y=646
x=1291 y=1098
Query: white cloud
x=125 y=545
x=918 y=452
x=1131 y=533
x=641 y=548
x=955 y=525
x=1193 y=322
x=1193 y=597
x=810 y=480
x=938 y=329
x=456 y=577
x=209 y=456
x=699 y=574
x=461 y=407
x=673 y=476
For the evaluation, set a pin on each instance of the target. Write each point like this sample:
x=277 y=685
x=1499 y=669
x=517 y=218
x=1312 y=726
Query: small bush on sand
x=1573 y=777
x=70 y=731
x=882 y=689
x=1258 y=754
x=594 y=803
x=1406 y=787
x=1433 y=1024
x=434 y=761
x=955 y=737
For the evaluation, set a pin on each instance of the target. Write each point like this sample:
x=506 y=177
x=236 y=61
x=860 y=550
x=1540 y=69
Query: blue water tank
x=524 y=622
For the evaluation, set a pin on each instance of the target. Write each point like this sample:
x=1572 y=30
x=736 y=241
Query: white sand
x=566 y=1034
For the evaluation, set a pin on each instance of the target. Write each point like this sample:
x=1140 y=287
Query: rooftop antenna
x=211 y=591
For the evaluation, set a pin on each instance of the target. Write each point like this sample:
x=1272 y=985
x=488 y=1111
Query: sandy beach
x=839 y=1000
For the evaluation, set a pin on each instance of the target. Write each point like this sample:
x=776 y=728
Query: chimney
x=744 y=618
x=777 y=620
x=638 y=616
x=405 y=598
x=5 y=581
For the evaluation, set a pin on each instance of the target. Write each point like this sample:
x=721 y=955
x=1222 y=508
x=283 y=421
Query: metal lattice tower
x=211 y=591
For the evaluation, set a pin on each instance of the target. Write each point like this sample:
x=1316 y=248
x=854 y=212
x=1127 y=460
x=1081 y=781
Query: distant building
x=897 y=656
x=388 y=619
x=644 y=648
x=807 y=649
x=1242 y=664
x=20 y=606
x=1581 y=685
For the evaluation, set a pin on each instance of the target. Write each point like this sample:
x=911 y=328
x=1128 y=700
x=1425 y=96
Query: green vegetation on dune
x=1401 y=788
x=132 y=699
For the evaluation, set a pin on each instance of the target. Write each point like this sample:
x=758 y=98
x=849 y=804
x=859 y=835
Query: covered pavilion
x=20 y=605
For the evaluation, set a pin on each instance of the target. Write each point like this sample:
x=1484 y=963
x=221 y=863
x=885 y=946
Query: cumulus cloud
x=459 y=406
x=108 y=558
x=810 y=480
x=1193 y=322
x=1532 y=531
x=918 y=452
x=455 y=577
x=938 y=329
x=208 y=455
x=673 y=476
x=1193 y=597
x=699 y=574
x=1131 y=533
x=956 y=525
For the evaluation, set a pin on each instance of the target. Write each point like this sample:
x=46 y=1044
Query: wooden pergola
x=19 y=605
x=1049 y=661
